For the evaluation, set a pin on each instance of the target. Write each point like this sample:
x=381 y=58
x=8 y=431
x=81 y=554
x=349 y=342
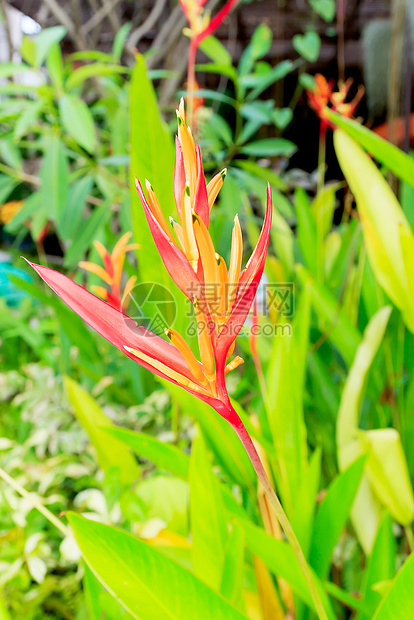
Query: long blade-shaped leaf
x=147 y=583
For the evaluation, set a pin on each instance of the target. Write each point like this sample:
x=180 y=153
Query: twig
x=66 y=21
x=137 y=34
x=99 y=16
x=34 y=501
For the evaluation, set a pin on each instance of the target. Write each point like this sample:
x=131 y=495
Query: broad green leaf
x=70 y=223
x=95 y=222
x=282 y=117
x=388 y=237
x=233 y=568
x=99 y=602
x=44 y=41
x=54 y=64
x=4 y=614
x=332 y=516
x=7 y=185
x=10 y=153
x=54 y=173
x=207 y=515
x=261 y=41
x=147 y=583
x=78 y=121
x=324 y=8
x=258 y=47
x=399 y=602
x=112 y=453
x=282 y=239
x=401 y=164
x=366 y=508
x=265 y=81
x=164 y=455
x=334 y=322
x=28 y=118
x=94 y=70
x=216 y=51
x=380 y=567
x=388 y=472
x=307 y=232
x=166 y=498
x=269 y=147
x=307 y=45
x=285 y=405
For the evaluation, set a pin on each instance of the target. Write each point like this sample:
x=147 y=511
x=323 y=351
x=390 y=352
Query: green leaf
x=233 y=568
x=258 y=47
x=94 y=70
x=27 y=118
x=387 y=471
x=7 y=185
x=401 y=164
x=324 y=8
x=10 y=154
x=381 y=565
x=333 y=514
x=281 y=561
x=95 y=222
x=99 y=602
x=111 y=453
x=216 y=51
x=388 y=237
x=54 y=64
x=307 y=233
x=164 y=455
x=55 y=180
x=399 y=602
x=120 y=40
x=307 y=45
x=334 y=322
x=78 y=121
x=366 y=509
x=70 y=223
x=4 y=614
x=147 y=583
x=282 y=117
x=208 y=523
x=263 y=81
x=44 y=41
x=269 y=147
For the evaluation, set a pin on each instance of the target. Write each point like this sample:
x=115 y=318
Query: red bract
x=221 y=297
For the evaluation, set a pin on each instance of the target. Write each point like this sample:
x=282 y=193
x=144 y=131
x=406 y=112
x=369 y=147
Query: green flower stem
x=280 y=513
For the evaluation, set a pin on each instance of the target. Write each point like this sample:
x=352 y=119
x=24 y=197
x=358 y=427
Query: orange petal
x=96 y=269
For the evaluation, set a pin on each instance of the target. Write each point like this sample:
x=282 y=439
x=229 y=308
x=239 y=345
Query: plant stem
x=191 y=81
x=34 y=502
x=280 y=513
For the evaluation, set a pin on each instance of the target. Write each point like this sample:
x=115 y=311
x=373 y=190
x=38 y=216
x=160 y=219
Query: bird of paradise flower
x=194 y=265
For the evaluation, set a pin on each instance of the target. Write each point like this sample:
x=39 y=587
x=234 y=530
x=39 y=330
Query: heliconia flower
x=199 y=21
x=111 y=272
x=323 y=96
x=221 y=297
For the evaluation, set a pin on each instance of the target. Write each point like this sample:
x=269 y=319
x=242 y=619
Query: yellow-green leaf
x=383 y=222
x=112 y=453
